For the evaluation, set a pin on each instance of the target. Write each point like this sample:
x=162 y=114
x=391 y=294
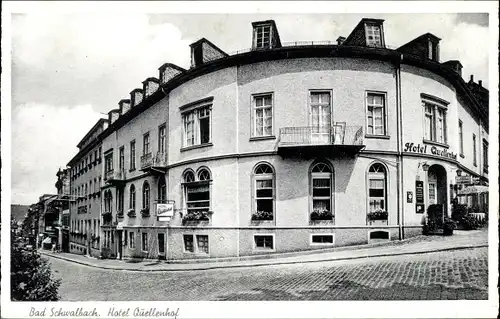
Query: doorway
x=119 y=234
x=437 y=193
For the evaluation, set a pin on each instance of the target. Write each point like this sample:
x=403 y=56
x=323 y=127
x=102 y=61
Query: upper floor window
x=108 y=163
x=264 y=189
x=263 y=115
x=320 y=111
x=433 y=50
x=197 y=126
x=132 y=155
x=162 y=138
x=485 y=156
x=373 y=35
x=434 y=121
x=375 y=113
x=461 y=136
x=162 y=190
x=145 y=144
x=108 y=201
x=474 y=151
x=262 y=36
x=132 y=197
x=121 y=163
x=377 y=185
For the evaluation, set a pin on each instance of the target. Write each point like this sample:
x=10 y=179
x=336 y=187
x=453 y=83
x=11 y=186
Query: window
x=377 y=186
x=162 y=190
x=373 y=35
x=145 y=144
x=435 y=121
x=108 y=163
x=119 y=194
x=322 y=239
x=264 y=242
x=132 y=155
x=263 y=115
x=90 y=160
x=95 y=156
x=144 y=242
x=162 y=139
x=197 y=126
x=433 y=51
x=108 y=201
x=461 y=136
x=321 y=187
x=90 y=188
x=132 y=197
x=264 y=188
x=161 y=243
x=474 y=149
x=145 y=196
x=121 y=163
x=485 y=156
x=375 y=103
x=262 y=36
x=131 y=241
x=197 y=193
x=320 y=116
x=100 y=152
x=200 y=246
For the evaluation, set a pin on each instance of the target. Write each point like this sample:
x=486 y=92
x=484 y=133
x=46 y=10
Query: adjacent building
x=283 y=147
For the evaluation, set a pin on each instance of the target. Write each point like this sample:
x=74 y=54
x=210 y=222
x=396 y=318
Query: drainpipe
x=399 y=160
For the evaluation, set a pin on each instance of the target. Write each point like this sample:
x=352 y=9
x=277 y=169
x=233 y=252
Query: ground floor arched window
x=321 y=188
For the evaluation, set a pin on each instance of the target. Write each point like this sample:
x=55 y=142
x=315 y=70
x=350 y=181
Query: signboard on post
x=419 y=197
x=165 y=211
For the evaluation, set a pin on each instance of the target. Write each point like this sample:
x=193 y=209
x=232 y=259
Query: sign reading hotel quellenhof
x=423 y=149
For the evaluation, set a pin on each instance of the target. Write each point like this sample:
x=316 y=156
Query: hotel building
x=284 y=147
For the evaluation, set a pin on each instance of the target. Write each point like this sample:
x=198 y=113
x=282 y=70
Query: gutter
x=399 y=158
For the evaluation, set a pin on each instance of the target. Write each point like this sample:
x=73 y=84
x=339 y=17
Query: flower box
x=378 y=215
x=323 y=215
x=196 y=218
x=119 y=214
x=262 y=218
x=145 y=212
x=131 y=213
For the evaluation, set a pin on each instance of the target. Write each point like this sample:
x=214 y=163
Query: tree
x=30 y=275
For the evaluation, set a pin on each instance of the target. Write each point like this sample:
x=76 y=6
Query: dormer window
x=373 y=35
x=262 y=36
x=433 y=51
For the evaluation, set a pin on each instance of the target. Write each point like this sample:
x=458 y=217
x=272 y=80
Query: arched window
x=132 y=197
x=321 y=190
x=197 y=192
x=162 y=190
x=377 y=188
x=145 y=195
x=264 y=190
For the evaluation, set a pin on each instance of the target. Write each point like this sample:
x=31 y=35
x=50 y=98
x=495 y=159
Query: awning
x=47 y=240
x=474 y=189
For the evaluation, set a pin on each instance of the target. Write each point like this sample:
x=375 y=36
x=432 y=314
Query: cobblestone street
x=457 y=274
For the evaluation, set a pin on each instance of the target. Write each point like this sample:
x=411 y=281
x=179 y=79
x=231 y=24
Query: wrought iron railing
x=115 y=175
x=158 y=160
x=338 y=134
x=146 y=160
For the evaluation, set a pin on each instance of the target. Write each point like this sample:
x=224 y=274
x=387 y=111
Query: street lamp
x=425 y=167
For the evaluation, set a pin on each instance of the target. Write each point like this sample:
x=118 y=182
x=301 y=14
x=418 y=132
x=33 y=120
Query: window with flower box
x=321 y=181
x=197 y=193
x=377 y=192
x=263 y=192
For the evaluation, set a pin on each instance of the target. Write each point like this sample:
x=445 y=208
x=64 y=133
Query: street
x=455 y=274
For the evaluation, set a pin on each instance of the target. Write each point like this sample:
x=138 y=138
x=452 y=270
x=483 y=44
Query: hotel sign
x=426 y=149
x=164 y=210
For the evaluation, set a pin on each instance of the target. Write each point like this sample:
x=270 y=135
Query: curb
x=267 y=264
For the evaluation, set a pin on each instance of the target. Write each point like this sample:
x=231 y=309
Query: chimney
x=168 y=71
x=471 y=78
x=265 y=35
x=203 y=51
x=480 y=82
x=136 y=97
x=124 y=106
x=150 y=86
x=340 y=40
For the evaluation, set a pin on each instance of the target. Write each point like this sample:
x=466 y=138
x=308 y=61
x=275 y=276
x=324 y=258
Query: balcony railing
x=157 y=161
x=347 y=139
x=115 y=176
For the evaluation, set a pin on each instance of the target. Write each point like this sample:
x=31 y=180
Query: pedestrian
x=53 y=247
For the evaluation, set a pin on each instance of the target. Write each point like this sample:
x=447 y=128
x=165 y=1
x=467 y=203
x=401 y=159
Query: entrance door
x=321 y=118
x=119 y=234
x=161 y=246
x=437 y=194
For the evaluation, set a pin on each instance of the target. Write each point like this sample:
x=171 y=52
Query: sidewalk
x=415 y=245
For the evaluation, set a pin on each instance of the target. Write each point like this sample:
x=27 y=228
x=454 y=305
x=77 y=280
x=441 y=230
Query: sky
x=69 y=70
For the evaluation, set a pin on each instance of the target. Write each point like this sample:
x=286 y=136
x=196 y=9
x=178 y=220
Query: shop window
x=263 y=115
x=144 y=242
x=202 y=243
x=375 y=114
x=377 y=188
x=321 y=190
x=264 y=242
x=322 y=239
x=264 y=190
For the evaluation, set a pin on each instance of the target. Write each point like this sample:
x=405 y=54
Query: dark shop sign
x=426 y=149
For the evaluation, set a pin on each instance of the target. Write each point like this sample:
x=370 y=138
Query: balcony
x=331 y=141
x=154 y=164
x=115 y=177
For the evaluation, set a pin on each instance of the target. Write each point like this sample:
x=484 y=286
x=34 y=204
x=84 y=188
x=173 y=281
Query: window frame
x=132 y=156
x=256 y=248
x=196 y=183
x=310 y=106
x=131 y=243
x=132 y=197
x=263 y=108
x=144 y=244
x=261 y=29
x=436 y=105
x=194 y=239
x=161 y=253
x=384 y=107
x=369 y=43
x=485 y=156
x=386 y=186
x=461 y=137
x=162 y=139
x=267 y=176
x=146 y=195
x=194 y=112
x=108 y=162
x=474 y=149
x=146 y=144
x=321 y=175
x=312 y=243
x=162 y=186
x=121 y=158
